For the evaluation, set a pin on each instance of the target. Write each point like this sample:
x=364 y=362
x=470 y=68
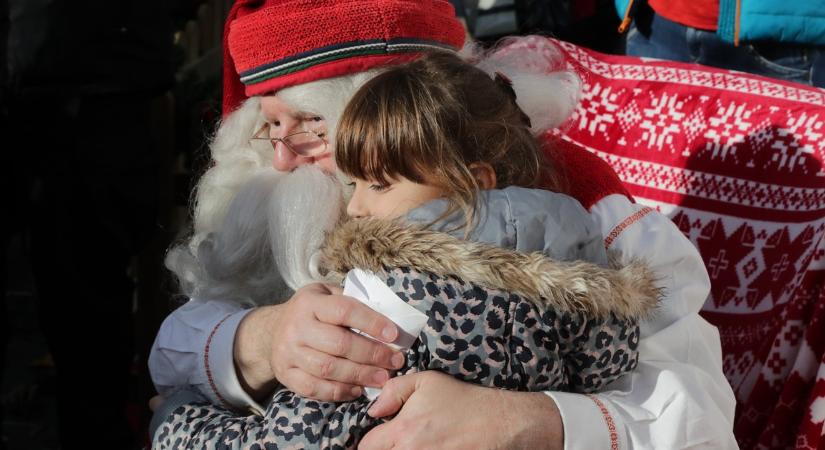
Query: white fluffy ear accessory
x=545 y=90
x=507 y=84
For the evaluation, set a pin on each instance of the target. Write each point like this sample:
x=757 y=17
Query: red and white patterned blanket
x=738 y=162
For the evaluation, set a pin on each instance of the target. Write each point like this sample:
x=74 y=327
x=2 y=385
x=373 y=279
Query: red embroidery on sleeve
x=615 y=232
x=206 y=364
x=608 y=419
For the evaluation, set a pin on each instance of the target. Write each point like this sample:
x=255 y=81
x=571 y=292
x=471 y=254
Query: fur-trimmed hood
x=629 y=292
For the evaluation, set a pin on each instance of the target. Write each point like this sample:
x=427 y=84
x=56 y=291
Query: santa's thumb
x=393 y=395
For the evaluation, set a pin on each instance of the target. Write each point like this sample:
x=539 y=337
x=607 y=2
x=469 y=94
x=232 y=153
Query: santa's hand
x=438 y=411
x=307 y=345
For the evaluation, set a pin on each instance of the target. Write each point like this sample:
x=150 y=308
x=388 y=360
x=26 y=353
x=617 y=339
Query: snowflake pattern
x=597 y=109
x=661 y=121
x=728 y=129
x=742 y=174
x=795 y=144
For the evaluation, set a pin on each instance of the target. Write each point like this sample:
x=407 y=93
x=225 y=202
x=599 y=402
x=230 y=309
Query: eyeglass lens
x=305 y=143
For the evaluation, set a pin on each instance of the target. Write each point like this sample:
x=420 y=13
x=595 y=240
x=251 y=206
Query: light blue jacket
x=797 y=21
x=525 y=220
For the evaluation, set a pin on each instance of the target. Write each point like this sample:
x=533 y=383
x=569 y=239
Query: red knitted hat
x=273 y=44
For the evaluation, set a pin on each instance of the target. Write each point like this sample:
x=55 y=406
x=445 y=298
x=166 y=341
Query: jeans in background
x=657 y=37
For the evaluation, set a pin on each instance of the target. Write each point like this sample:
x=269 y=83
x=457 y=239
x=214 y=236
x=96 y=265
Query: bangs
x=382 y=132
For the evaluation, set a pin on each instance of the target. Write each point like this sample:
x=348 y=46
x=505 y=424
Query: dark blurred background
x=105 y=108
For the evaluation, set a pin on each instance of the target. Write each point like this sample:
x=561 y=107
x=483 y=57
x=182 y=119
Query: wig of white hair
x=545 y=92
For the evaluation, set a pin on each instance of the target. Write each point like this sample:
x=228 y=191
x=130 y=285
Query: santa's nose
x=287 y=125
x=285 y=160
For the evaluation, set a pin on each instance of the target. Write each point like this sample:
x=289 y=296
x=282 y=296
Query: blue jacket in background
x=797 y=21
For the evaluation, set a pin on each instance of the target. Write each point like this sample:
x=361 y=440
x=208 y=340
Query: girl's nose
x=355 y=207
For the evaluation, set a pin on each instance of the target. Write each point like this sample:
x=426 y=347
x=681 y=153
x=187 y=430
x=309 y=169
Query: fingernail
x=380 y=377
x=356 y=391
x=397 y=360
x=389 y=333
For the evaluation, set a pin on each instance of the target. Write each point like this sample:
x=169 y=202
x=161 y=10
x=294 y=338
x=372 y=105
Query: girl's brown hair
x=428 y=121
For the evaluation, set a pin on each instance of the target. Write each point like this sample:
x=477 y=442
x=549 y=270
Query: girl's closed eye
x=377 y=187
x=371 y=185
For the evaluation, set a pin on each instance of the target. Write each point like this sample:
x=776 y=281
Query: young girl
x=444 y=216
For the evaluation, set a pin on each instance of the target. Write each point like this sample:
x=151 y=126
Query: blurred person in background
x=82 y=78
x=780 y=39
x=590 y=23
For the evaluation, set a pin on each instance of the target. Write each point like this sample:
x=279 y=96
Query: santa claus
x=290 y=67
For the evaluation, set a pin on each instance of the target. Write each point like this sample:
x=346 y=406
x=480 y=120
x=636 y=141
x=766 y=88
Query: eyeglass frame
x=275 y=140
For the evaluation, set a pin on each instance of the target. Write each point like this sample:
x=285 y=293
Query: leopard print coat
x=496 y=317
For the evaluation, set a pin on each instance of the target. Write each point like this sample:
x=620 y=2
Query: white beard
x=306 y=204
x=267 y=242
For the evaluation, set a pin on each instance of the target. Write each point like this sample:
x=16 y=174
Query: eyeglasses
x=303 y=143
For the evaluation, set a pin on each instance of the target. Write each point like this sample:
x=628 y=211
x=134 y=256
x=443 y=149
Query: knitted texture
x=273 y=44
x=579 y=173
x=737 y=161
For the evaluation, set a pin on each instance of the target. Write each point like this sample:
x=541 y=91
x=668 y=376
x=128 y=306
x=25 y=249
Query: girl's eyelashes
x=377 y=187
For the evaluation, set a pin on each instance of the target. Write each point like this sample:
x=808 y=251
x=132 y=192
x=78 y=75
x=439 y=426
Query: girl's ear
x=484 y=174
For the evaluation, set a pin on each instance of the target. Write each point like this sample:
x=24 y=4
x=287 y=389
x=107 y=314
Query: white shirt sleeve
x=678 y=396
x=194 y=347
